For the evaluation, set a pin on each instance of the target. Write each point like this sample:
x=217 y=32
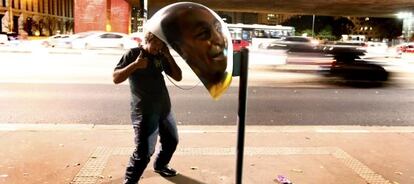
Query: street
x=60 y=111
x=41 y=87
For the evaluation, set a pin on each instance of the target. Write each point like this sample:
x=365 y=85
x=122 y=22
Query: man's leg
x=146 y=133
x=169 y=140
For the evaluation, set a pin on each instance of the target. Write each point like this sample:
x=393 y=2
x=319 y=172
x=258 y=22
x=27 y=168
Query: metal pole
x=313 y=26
x=244 y=63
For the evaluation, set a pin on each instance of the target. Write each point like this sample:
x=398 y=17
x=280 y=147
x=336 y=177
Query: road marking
x=93 y=168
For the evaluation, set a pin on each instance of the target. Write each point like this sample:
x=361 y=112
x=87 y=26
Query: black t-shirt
x=148 y=90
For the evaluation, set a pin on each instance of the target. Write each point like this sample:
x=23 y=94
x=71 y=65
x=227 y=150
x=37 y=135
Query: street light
x=404 y=15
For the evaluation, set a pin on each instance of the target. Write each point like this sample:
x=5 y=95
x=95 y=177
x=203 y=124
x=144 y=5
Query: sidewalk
x=50 y=153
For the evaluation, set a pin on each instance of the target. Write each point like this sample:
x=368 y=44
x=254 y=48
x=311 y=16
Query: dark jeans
x=146 y=133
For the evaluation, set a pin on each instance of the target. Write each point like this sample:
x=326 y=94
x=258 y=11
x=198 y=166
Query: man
x=150 y=105
x=196 y=34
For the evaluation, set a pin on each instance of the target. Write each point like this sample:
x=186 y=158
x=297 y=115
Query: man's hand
x=141 y=62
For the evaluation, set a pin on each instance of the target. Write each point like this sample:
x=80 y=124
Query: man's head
x=195 y=33
x=153 y=44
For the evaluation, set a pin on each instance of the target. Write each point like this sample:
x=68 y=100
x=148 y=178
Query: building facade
x=37 y=17
x=102 y=15
x=50 y=17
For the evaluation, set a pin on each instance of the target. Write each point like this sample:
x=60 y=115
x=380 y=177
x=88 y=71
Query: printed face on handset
x=201 y=38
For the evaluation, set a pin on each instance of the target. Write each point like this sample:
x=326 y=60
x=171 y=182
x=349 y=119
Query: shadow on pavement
x=181 y=179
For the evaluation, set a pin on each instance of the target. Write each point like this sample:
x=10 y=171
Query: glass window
x=246 y=35
x=110 y=36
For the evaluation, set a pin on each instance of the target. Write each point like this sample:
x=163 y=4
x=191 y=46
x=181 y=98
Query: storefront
x=37 y=17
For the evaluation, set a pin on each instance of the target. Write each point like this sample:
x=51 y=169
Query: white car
x=60 y=40
x=3 y=39
x=138 y=37
x=376 y=48
x=89 y=40
x=380 y=49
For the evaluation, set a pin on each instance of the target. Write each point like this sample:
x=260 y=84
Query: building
x=50 y=17
x=408 y=25
x=37 y=17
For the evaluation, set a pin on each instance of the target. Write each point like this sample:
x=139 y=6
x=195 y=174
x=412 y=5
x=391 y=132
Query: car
x=376 y=47
x=97 y=39
x=4 y=39
x=9 y=39
x=60 y=40
x=295 y=44
x=349 y=66
x=406 y=48
x=380 y=49
x=138 y=37
x=238 y=44
x=343 y=48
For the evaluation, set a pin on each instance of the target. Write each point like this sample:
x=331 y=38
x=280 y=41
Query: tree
x=388 y=27
x=307 y=32
x=338 y=26
x=326 y=33
x=342 y=25
x=300 y=23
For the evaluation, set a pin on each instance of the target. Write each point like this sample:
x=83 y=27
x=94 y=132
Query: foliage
x=326 y=33
x=308 y=32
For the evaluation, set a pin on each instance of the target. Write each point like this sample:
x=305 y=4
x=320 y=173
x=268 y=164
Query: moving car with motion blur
x=294 y=44
x=406 y=48
x=349 y=66
x=9 y=39
x=138 y=37
x=98 y=39
x=60 y=40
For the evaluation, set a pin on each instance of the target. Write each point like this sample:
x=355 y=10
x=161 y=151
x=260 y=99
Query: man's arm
x=120 y=75
x=175 y=71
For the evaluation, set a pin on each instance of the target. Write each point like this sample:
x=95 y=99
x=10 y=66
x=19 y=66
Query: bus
x=257 y=34
x=354 y=38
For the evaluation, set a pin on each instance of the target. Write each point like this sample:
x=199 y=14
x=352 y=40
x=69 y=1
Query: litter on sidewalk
x=282 y=180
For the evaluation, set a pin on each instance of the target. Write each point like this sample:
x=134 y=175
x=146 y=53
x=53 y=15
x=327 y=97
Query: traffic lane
x=109 y=104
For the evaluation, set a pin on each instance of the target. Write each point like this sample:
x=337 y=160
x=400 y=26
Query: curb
x=59 y=51
x=213 y=129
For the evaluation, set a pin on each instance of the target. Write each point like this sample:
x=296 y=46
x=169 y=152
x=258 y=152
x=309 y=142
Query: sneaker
x=166 y=171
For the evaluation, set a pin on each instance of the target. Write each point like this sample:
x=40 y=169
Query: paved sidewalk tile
x=50 y=153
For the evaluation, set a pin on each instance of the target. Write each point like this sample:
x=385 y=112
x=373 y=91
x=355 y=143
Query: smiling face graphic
x=203 y=44
x=202 y=40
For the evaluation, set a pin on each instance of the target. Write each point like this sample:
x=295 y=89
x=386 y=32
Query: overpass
x=359 y=8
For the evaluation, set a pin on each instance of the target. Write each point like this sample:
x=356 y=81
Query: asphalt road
x=109 y=104
x=76 y=88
